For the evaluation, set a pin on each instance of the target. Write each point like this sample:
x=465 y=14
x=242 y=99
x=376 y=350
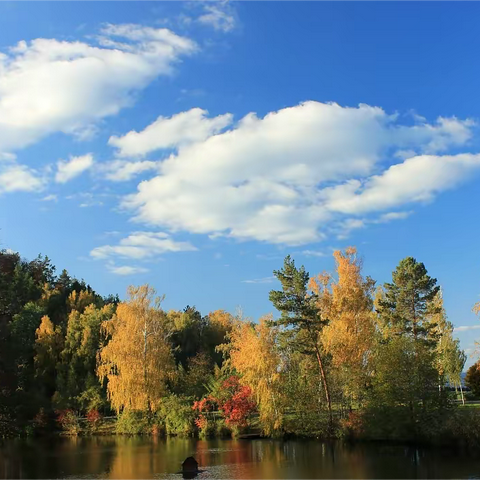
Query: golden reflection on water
x=151 y=457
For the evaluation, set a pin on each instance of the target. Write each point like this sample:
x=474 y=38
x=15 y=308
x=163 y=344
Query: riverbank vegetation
x=345 y=358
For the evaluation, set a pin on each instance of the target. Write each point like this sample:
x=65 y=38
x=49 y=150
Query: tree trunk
x=323 y=375
x=325 y=385
x=461 y=393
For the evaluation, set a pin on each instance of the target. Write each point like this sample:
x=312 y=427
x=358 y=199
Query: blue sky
x=193 y=145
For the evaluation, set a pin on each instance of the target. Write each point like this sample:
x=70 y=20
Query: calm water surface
x=143 y=457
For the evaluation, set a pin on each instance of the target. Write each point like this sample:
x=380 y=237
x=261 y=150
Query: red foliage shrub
x=236 y=404
x=238 y=408
x=94 y=417
x=206 y=404
x=201 y=422
x=68 y=421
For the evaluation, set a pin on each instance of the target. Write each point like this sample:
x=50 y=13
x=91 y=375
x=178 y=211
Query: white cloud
x=50 y=198
x=123 y=170
x=218 y=15
x=313 y=253
x=90 y=199
x=260 y=280
x=7 y=157
x=388 y=217
x=91 y=203
x=142 y=245
x=181 y=129
x=48 y=85
x=417 y=179
x=125 y=270
x=290 y=177
x=344 y=228
x=66 y=171
x=466 y=328
x=20 y=178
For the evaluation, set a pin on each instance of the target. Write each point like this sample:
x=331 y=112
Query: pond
x=146 y=457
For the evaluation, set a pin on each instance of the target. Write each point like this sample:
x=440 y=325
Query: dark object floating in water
x=189 y=468
x=190 y=475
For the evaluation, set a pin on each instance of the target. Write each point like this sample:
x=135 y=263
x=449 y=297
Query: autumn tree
x=406 y=303
x=350 y=334
x=301 y=320
x=254 y=355
x=137 y=361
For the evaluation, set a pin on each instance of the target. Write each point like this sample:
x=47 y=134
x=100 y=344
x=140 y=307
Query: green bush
x=132 y=423
x=176 y=415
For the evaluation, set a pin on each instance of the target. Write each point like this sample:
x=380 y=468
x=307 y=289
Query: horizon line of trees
x=345 y=357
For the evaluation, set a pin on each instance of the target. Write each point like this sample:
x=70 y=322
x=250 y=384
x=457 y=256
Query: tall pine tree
x=300 y=317
x=407 y=305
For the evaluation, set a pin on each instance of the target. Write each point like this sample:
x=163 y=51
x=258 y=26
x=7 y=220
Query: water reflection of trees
x=148 y=457
x=53 y=458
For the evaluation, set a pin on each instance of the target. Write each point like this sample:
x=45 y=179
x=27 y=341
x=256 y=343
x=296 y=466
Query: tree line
x=345 y=358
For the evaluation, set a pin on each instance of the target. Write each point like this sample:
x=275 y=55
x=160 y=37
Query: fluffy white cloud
x=20 y=178
x=123 y=170
x=417 y=179
x=66 y=170
x=50 y=86
x=126 y=270
x=288 y=177
x=181 y=129
x=142 y=245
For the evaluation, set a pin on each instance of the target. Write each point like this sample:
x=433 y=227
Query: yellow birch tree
x=137 y=361
x=350 y=333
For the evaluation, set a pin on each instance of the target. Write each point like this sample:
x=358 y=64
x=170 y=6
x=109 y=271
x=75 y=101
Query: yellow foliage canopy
x=347 y=303
x=137 y=361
